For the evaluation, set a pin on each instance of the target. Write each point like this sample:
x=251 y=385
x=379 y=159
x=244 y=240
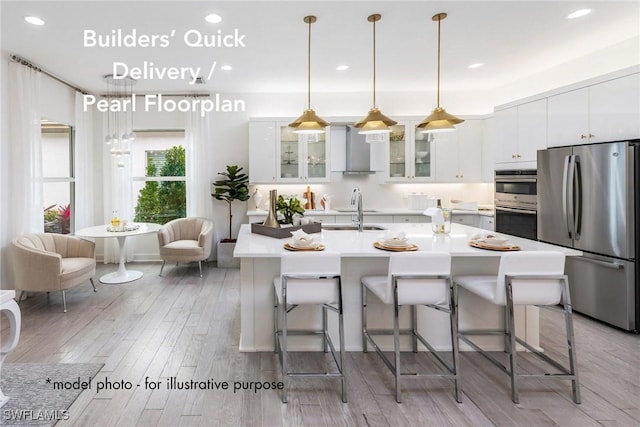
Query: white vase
x=257 y=198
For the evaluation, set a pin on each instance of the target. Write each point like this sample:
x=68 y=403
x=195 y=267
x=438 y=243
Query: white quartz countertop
x=351 y=243
x=375 y=211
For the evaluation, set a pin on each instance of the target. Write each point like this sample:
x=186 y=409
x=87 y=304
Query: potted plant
x=288 y=207
x=231 y=187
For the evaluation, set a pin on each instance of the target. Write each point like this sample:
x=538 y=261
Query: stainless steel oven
x=516 y=202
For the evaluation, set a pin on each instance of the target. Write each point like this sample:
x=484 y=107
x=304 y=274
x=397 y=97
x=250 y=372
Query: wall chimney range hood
x=358 y=156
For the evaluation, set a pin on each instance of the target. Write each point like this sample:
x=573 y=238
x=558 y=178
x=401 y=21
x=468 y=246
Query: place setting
x=302 y=241
x=395 y=241
x=492 y=242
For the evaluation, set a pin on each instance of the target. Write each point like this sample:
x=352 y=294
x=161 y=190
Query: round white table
x=100 y=231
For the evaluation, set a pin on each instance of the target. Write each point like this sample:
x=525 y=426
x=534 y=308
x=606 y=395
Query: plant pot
x=225 y=255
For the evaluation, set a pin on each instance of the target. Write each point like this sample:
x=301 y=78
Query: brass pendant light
x=375 y=125
x=309 y=122
x=439 y=120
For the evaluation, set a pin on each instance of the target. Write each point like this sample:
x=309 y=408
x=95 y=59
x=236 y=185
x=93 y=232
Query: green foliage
x=289 y=206
x=161 y=202
x=233 y=186
x=148 y=207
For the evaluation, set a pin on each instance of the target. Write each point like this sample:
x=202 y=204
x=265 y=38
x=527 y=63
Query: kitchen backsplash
x=376 y=195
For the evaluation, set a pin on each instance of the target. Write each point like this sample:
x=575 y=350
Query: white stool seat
x=410 y=292
x=308 y=291
x=308 y=278
x=525 y=278
x=414 y=278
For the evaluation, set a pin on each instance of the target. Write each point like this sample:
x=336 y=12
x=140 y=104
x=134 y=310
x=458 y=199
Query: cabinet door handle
x=513 y=156
x=518 y=156
x=583 y=136
x=591 y=135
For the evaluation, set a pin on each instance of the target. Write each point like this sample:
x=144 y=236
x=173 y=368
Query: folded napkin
x=482 y=235
x=390 y=236
x=436 y=215
x=300 y=237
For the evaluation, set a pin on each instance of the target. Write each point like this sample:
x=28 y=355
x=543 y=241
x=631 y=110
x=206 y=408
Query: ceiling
x=513 y=39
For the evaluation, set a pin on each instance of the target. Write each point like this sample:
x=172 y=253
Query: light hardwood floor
x=186 y=327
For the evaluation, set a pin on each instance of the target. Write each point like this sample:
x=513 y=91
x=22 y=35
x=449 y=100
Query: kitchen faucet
x=356 y=199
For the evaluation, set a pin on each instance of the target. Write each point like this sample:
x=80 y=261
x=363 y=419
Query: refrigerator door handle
x=577 y=208
x=565 y=190
x=613 y=265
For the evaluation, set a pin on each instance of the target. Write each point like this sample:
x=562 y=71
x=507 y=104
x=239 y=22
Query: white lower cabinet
x=486 y=223
x=465 y=219
x=410 y=218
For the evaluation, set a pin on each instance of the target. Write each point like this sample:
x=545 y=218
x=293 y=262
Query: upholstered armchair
x=46 y=262
x=186 y=240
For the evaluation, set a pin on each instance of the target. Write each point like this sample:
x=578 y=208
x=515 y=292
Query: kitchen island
x=260 y=262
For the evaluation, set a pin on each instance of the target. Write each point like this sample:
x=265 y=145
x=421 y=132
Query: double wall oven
x=516 y=202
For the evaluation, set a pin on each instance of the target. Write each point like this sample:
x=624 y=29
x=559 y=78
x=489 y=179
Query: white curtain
x=25 y=152
x=84 y=191
x=197 y=136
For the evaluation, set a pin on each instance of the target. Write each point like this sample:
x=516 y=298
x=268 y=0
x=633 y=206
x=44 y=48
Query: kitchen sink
x=350 y=227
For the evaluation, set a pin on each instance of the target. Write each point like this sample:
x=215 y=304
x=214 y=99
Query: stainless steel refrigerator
x=588 y=200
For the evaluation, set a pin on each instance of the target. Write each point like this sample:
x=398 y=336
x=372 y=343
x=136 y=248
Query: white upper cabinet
x=262 y=152
x=520 y=131
x=276 y=155
x=607 y=111
x=459 y=153
x=409 y=155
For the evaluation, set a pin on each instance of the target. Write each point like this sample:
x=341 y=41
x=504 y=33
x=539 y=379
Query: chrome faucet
x=356 y=199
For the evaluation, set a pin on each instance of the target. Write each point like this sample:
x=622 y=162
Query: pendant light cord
x=309 y=68
x=374 y=64
x=438 y=92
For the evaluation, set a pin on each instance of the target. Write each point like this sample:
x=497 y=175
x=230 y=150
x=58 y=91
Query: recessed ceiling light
x=578 y=13
x=476 y=65
x=226 y=68
x=342 y=67
x=213 y=18
x=34 y=20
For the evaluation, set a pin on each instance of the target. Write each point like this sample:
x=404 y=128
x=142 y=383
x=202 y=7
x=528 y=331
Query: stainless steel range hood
x=358 y=161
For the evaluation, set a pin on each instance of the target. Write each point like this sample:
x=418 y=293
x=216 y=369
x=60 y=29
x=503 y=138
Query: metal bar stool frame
x=511 y=339
x=395 y=367
x=280 y=335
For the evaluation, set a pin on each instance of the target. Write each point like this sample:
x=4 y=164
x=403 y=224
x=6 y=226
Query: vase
x=272 y=215
x=257 y=198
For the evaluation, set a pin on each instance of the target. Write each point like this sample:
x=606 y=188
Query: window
x=158 y=170
x=58 y=177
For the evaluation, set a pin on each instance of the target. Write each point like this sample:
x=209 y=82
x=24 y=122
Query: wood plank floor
x=185 y=327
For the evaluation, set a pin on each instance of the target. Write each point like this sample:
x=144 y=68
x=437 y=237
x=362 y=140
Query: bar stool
x=526 y=278
x=308 y=278
x=414 y=278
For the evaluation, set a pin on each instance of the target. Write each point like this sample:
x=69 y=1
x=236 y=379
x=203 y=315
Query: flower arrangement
x=288 y=206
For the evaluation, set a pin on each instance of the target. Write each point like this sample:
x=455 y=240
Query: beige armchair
x=186 y=240
x=46 y=262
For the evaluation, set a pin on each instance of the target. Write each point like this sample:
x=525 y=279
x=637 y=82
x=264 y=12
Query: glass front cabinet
x=409 y=155
x=301 y=160
x=277 y=155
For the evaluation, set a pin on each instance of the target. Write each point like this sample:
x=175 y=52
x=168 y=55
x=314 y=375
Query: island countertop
x=260 y=263
x=351 y=243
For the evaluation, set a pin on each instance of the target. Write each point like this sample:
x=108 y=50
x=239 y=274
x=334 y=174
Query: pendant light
x=439 y=120
x=376 y=125
x=309 y=125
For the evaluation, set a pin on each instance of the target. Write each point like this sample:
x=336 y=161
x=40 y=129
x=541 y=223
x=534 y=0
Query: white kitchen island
x=260 y=263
